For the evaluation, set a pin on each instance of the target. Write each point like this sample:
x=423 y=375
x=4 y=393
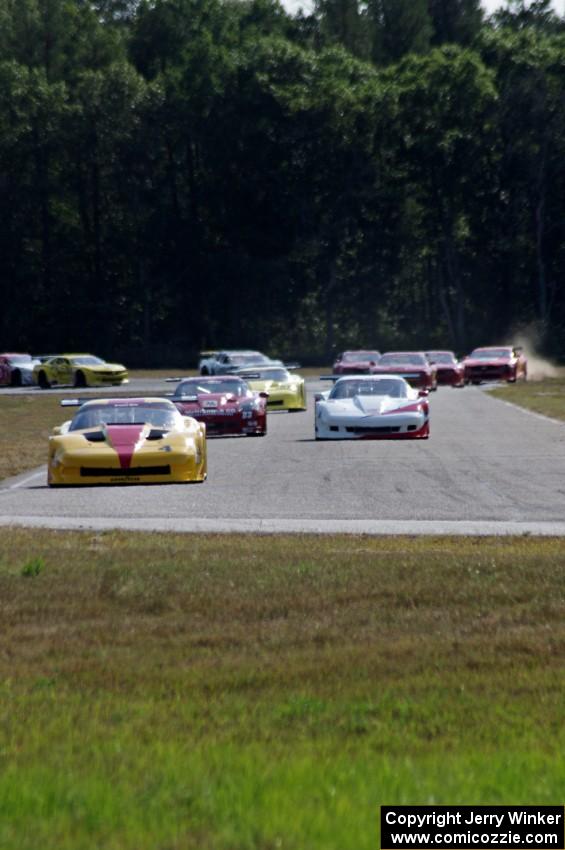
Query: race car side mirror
x=423 y=393
x=56 y=430
x=318 y=396
x=263 y=395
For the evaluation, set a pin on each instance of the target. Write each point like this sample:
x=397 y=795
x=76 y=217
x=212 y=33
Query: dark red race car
x=503 y=363
x=413 y=366
x=225 y=403
x=449 y=370
x=356 y=362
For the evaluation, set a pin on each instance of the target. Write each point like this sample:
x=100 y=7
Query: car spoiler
x=211 y=353
x=333 y=378
x=292 y=366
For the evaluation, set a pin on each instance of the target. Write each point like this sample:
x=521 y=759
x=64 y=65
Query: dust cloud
x=538 y=367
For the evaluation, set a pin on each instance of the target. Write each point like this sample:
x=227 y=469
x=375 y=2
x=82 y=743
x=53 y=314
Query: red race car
x=413 y=366
x=449 y=370
x=356 y=362
x=225 y=403
x=503 y=363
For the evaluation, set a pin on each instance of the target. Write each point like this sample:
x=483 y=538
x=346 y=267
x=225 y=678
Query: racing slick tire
x=16 y=379
x=42 y=381
x=80 y=379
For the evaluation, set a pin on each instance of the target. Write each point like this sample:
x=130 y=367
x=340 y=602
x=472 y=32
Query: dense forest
x=181 y=174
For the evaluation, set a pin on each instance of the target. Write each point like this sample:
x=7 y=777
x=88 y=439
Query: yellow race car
x=126 y=441
x=286 y=390
x=79 y=370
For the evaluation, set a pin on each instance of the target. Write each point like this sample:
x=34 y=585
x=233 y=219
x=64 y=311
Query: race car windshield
x=359 y=356
x=269 y=375
x=233 y=388
x=349 y=389
x=489 y=353
x=159 y=415
x=88 y=360
x=440 y=357
x=402 y=360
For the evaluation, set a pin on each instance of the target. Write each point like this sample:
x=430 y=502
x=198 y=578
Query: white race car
x=226 y=362
x=372 y=407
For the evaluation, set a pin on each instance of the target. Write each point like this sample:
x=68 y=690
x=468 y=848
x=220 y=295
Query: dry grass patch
x=546 y=396
x=25 y=424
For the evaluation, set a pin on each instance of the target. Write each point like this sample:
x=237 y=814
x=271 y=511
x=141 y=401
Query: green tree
x=538 y=15
x=399 y=27
x=531 y=232
x=445 y=139
x=341 y=22
x=455 y=21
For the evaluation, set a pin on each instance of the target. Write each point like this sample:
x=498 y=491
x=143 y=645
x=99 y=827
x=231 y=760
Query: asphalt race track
x=488 y=468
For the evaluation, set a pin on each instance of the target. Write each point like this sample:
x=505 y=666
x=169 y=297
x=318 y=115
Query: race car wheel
x=80 y=380
x=204 y=371
x=42 y=381
x=16 y=380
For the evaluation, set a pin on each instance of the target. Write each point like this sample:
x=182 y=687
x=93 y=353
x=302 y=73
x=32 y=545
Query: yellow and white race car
x=286 y=390
x=79 y=370
x=126 y=441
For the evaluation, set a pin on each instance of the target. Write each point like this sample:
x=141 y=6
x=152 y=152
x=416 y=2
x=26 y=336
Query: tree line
x=183 y=174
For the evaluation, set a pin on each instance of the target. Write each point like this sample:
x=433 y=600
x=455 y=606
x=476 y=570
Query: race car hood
x=125 y=440
x=209 y=401
x=370 y=405
x=102 y=367
x=269 y=386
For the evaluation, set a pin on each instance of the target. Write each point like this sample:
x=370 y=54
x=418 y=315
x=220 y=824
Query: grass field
x=162 y=692
x=546 y=396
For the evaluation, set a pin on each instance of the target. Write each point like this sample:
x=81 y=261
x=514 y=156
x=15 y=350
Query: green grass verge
x=546 y=396
x=163 y=692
